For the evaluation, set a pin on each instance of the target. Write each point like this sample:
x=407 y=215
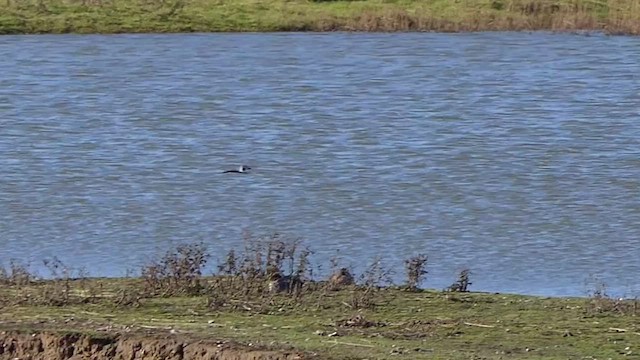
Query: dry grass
x=266 y=268
x=114 y=16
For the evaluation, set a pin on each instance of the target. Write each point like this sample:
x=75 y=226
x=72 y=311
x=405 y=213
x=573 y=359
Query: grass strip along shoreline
x=263 y=301
x=178 y=16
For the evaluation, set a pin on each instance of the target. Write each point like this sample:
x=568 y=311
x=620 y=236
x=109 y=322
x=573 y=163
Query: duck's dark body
x=241 y=170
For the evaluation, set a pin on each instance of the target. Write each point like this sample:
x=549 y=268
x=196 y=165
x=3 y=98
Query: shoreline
x=289 y=256
x=587 y=33
x=103 y=318
x=615 y=17
x=266 y=301
x=535 y=294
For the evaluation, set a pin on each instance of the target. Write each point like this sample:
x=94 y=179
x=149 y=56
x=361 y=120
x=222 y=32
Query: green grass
x=441 y=325
x=141 y=16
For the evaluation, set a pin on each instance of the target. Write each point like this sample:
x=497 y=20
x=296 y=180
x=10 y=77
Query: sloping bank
x=51 y=345
x=142 y=16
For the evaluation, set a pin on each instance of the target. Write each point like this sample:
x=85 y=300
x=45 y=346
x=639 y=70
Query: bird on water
x=242 y=169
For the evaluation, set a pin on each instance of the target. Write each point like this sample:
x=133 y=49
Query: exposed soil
x=54 y=345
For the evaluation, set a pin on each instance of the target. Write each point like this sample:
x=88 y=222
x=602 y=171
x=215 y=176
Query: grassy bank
x=265 y=296
x=330 y=324
x=135 y=16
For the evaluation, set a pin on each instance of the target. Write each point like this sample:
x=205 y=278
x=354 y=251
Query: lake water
x=515 y=155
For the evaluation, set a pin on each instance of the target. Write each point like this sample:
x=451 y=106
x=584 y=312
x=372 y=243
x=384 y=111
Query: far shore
x=619 y=17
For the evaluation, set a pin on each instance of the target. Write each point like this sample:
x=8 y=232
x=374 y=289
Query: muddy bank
x=50 y=345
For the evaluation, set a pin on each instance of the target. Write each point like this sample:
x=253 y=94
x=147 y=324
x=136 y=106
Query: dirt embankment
x=58 y=346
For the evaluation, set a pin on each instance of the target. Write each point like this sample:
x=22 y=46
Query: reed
x=141 y=16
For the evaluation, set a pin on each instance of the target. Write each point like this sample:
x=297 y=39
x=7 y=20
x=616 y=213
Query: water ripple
x=515 y=155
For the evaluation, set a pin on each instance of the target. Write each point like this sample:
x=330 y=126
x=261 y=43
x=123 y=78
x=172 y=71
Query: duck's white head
x=243 y=168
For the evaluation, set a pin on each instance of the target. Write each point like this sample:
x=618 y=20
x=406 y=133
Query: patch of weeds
x=57 y=291
x=600 y=302
x=270 y=269
x=178 y=272
x=371 y=281
x=415 y=268
x=215 y=299
x=362 y=299
x=277 y=257
x=127 y=297
x=18 y=274
x=377 y=275
x=12 y=280
x=340 y=275
x=230 y=264
x=462 y=284
x=340 y=278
